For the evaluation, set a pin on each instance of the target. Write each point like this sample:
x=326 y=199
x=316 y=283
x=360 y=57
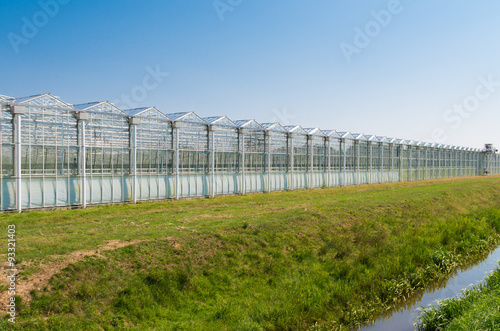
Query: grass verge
x=320 y=259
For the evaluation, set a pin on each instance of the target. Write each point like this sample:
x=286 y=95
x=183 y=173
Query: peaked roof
x=220 y=120
x=346 y=135
x=295 y=129
x=87 y=105
x=135 y=111
x=46 y=99
x=6 y=98
x=276 y=127
x=100 y=107
x=332 y=133
x=147 y=112
x=249 y=124
x=393 y=140
x=369 y=137
x=315 y=132
x=412 y=143
x=383 y=139
x=402 y=142
x=186 y=117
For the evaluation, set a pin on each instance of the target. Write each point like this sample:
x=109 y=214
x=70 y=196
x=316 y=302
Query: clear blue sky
x=267 y=59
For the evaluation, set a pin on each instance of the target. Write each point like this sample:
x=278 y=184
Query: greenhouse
x=55 y=154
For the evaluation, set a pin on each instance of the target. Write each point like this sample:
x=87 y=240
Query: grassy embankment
x=478 y=308
x=327 y=258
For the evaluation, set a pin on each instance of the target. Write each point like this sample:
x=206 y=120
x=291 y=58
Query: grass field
x=299 y=260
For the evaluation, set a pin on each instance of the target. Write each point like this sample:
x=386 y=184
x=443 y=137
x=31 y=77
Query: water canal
x=404 y=318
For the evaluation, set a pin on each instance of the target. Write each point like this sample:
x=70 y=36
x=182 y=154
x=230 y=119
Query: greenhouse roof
x=147 y=112
x=372 y=138
x=276 y=127
x=186 y=117
x=6 y=98
x=249 y=124
x=392 y=140
x=315 y=132
x=331 y=133
x=412 y=143
x=135 y=111
x=101 y=107
x=46 y=99
x=346 y=135
x=105 y=107
x=402 y=142
x=220 y=120
x=295 y=129
x=360 y=136
x=84 y=106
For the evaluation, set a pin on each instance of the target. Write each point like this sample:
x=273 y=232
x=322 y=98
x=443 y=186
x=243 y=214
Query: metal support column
x=268 y=170
x=328 y=161
x=426 y=166
x=439 y=163
x=401 y=151
x=344 y=161
x=175 y=129
x=418 y=162
x=82 y=150
x=410 y=165
x=241 y=139
x=391 y=155
x=17 y=111
x=381 y=163
x=310 y=143
x=292 y=161
x=133 y=122
x=211 y=148
x=356 y=144
x=370 y=161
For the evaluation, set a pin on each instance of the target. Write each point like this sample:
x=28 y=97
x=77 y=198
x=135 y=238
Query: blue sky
x=423 y=70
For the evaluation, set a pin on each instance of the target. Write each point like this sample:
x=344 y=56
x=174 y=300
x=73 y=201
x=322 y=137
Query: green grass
x=320 y=259
x=477 y=308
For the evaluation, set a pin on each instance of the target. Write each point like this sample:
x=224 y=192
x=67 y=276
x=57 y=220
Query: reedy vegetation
x=477 y=308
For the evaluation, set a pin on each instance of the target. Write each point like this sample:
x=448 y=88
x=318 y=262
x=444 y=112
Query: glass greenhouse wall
x=53 y=154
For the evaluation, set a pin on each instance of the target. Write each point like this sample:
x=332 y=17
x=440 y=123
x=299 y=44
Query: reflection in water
x=404 y=316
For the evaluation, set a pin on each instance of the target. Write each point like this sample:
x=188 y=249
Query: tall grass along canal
x=405 y=317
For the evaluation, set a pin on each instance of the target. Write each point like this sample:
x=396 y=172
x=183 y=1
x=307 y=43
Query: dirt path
x=41 y=278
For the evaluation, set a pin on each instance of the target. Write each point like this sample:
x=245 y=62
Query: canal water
x=404 y=318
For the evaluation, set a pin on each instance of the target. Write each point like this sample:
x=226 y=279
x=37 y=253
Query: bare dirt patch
x=41 y=278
